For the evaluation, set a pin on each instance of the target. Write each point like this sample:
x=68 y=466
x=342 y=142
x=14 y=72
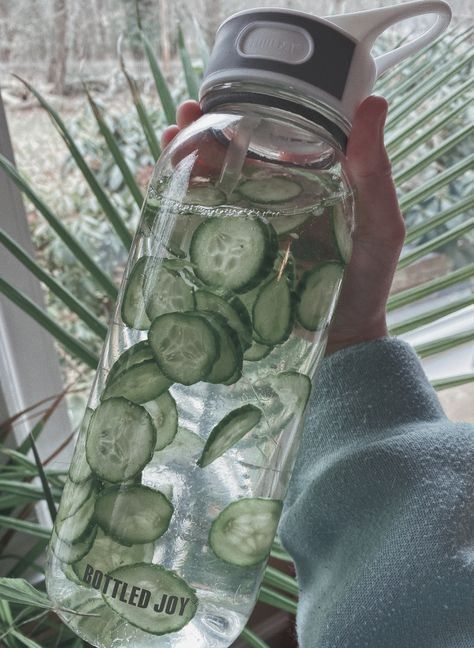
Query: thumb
x=366 y=154
x=368 y=167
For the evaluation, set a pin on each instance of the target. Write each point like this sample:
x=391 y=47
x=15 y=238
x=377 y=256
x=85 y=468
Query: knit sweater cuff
x=369 y=388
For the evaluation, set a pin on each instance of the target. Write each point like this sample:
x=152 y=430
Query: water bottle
x=184 y=456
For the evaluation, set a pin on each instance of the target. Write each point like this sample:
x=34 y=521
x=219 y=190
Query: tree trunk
x=58 y=63
x=6 y=32
x=214 y=18
x=165 y=32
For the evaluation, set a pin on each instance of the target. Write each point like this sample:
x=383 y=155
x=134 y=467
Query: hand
x=379 y=226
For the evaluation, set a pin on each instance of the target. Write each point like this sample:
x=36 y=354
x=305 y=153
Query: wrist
x=338 y=340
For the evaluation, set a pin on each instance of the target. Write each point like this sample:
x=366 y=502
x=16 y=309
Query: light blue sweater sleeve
x=379 y=516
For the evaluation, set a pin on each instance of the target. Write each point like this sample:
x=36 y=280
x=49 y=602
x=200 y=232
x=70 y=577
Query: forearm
x=377 y=506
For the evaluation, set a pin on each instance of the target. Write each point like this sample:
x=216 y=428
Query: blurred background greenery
x=86 y=134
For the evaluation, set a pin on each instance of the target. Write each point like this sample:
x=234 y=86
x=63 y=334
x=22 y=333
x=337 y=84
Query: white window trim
x=29 y=367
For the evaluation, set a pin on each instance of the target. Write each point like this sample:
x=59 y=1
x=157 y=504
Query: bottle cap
x=320 y=68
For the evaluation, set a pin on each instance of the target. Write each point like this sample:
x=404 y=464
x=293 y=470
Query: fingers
x=186 y=113
x=366 y=155
x=368 y=166
x=168 y=134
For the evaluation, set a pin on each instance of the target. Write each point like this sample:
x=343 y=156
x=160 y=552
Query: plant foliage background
x=81 y=252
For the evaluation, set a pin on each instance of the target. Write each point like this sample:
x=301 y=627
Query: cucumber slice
x=207 y=196
x=93 y=618
x=134 y=355
x=79 y=470
x=242 y=534
x=140 y=383
x=257 y=352
x=133 y=514
x=164 y=414
x=171 y=603
x=185 y=449
x=342 y=233
x=151 y=209
x=233 y=253
x=272 y=312
x=185 y=346
x=120 y=441
x=75 y=528
x=106 y=554
x=73 y=497
x=236 y=376
x=228 y=432
x=133 y=311
x=316 y=293
x=165 y=292
x=276 y=189
x=293 y=390
x=71 y=553
x=286 y=223
x=229 y=360
x=230 y=307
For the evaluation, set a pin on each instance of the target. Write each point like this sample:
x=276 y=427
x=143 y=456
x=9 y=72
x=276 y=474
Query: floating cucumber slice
x=283 y=398
x=257 y=352
x=94 y=617
x=242 y=534
x=342 y=233
x=230 y=307
x=134 y=355
x=79 y=470
x=185 y=346
x=286 y=223
x=133 y=514
x=272 y=313
x=120 y=441
x=233 y=253
x=73 y=497
x=133 y=311
x=164 y=415
x=70 y=553
x=165 y=292
x=170 y=604
x=207 y=196
x=316 y=292
x=186 y=447
x=228 y=431
x=106 y=554
x=236 y=376
x=140 y=383
x=293 y=389
x=76 y=528
x=229 y=359
x=276 y=189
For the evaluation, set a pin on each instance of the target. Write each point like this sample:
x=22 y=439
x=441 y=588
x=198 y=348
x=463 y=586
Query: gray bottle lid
x=316 y=62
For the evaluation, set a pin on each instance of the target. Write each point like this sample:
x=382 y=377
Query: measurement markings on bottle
x=132 y=594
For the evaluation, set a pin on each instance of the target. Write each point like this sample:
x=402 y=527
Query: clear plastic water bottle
x=186 y=449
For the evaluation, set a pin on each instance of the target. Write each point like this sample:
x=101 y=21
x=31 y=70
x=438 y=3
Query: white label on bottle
x=275 y=41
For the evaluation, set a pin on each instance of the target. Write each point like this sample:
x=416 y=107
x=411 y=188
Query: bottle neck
x=309 y=111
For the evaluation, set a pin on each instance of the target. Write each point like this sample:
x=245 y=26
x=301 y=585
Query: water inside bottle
x=259 y=465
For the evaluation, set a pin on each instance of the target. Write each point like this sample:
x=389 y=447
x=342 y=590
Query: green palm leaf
x=114 y=149
x=68 y=341
x=192 y=81
x=70 y=241
x=62 y=293
x=429 y=287
x=143 y=117
x=162 y=89
x=109 y=210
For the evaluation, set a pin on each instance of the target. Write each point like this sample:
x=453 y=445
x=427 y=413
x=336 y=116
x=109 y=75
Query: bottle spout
x=366 y=27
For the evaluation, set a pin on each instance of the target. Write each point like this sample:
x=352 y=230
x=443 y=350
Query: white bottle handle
x=366 y=26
